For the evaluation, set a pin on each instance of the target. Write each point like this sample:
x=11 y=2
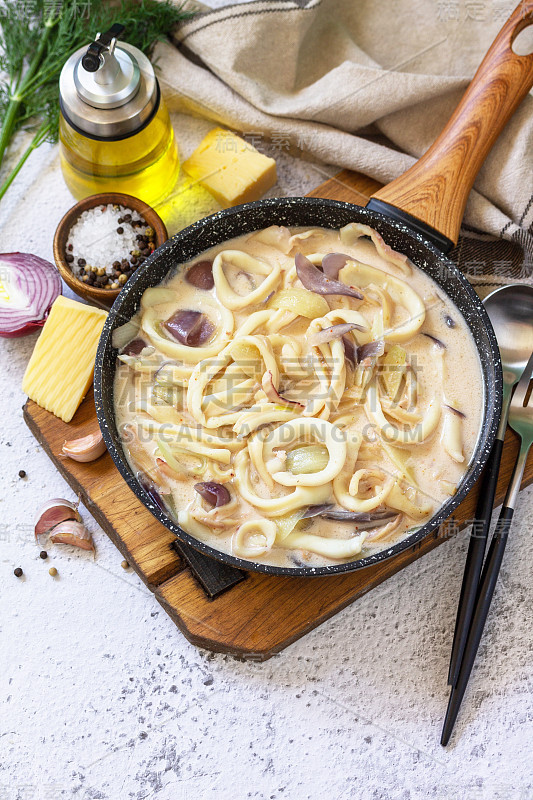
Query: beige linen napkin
x=366 y=85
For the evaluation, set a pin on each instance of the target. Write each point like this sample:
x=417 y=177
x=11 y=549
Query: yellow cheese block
x=231 y=169
x=61 y=368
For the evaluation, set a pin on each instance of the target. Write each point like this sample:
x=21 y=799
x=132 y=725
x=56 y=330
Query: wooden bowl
x=95 y=294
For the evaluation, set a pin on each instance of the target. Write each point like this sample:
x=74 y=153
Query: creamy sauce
x=451 y=376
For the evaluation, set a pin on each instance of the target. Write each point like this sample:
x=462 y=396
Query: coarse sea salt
x=94 y=236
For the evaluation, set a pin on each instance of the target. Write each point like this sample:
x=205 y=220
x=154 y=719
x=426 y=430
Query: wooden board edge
x=95 y=512
x=378 y=574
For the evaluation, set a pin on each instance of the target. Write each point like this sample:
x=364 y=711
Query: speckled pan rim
x=276 y=210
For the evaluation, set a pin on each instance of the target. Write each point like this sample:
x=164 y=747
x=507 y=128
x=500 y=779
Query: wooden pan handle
x=436 y=188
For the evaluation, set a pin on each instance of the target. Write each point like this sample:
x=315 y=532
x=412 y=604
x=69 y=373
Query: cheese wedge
x=60 y=370
x=231 y=169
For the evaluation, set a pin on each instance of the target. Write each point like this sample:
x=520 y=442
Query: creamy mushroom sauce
x=155 y=402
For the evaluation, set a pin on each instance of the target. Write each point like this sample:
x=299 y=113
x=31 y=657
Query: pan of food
x=304 y=386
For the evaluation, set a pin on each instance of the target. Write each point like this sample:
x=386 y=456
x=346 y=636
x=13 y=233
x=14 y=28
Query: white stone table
x=102 y=697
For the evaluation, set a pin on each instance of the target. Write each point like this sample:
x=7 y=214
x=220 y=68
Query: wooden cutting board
x=258 y=615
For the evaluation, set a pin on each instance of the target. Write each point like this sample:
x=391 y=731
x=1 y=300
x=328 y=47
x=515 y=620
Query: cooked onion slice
x=315 y=280
x=134 y=348
x=299 y=301
x=454 y=410
x=334 y=332
x=308 y=459
x=125 y=333
x=332 y=263
x=201 y=275
x=317 y=511
x=370 y=350
x=273 y=395
x=191 y=328
x=156 y=296
x=213 y=493
x=452 y=433
x=434 y=339
x=151 y=491
x=350 y=350
x=359 y=517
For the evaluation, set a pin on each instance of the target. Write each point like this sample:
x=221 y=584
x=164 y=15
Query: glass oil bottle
x=115 y=132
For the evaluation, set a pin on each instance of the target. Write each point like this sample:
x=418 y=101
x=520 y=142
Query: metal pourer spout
x=100 y=57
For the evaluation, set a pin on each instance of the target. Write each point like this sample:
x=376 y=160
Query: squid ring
x=254 y=538
x=276 y=506
x=330 y=435
x=247 y=263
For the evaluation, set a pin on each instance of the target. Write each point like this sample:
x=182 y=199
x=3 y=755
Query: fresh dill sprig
x=38 y=36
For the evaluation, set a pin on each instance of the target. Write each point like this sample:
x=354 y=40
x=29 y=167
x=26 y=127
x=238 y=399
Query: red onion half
x=28 y=287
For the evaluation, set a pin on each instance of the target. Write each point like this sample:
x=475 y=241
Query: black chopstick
x=486 y=590
x=474 y=559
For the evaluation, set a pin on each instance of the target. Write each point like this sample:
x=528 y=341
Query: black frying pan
x=419 y=214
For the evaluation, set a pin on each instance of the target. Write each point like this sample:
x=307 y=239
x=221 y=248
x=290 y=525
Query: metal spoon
x=510 y=309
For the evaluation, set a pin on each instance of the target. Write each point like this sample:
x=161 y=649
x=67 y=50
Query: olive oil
x=115 y=132
x=145 y=165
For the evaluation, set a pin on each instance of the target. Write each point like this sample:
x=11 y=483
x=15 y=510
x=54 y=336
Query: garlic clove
x=53 y=513
x=74 y=533
x=87 y=448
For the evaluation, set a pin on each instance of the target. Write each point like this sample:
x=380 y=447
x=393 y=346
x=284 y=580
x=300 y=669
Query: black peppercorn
x=127 y=217
x=43 y=554
x=81 y=262
x=22 y=473
x=18 y=572
x=120 y=230
x=69 y=258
